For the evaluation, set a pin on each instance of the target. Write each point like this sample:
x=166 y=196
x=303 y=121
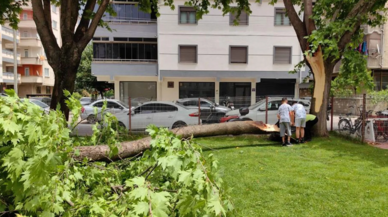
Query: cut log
x=129 y=149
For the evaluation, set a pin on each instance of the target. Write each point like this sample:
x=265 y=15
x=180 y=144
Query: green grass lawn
x=326 y=177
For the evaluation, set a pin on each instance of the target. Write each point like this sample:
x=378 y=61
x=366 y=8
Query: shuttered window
x=280 y=17
x=187 y=54
x=187 y=15
x=282 y=55
x=243 y=19
x=238 y=54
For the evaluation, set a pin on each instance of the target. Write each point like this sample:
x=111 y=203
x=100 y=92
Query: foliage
x=354 y=76
x=378 y=96
x=329 y=176
x=10 y=10
x=39 y=177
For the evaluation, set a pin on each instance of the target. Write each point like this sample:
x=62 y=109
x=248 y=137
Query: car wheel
x=92 y=119
x=179 y=124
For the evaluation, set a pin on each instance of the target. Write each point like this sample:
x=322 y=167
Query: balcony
x=27 y=23
x=8 y=56
x=32 y=79
x=7 y=34
x=31 y=61
x=30 y=42
x=8 y=77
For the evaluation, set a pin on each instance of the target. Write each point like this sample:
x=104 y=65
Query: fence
x=359 y=117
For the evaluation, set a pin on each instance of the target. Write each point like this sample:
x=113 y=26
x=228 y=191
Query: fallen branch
x=129 y=149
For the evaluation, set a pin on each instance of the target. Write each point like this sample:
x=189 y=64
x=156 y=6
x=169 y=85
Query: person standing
x=300 y=121
x=285 y=116
x=311 y=120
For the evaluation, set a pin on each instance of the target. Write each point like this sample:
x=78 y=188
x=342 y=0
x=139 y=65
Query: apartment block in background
x=178 y=56
x=7 y=57
x=36 y=75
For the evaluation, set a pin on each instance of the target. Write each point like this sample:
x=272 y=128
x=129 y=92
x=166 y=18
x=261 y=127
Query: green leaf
x=141 y=208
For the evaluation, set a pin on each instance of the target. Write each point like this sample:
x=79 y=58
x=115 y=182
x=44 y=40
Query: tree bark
x=128 y=149
x=65 y=76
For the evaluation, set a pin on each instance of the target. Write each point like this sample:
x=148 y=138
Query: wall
x=33 y=70
x=213 y=35
x=341 y=105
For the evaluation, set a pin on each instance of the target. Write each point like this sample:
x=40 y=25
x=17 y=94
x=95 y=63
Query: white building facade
x=210 y=58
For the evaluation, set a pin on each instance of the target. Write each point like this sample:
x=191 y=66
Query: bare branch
x=45 y=32
x=153 y=168
x=356 y=9
x=308 y=12
x=94 y=24
x=336 y=12
x=296 y=23
x=85 y=20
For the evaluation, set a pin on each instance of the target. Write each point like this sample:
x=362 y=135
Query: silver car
x=210 y=112
x=113 y=106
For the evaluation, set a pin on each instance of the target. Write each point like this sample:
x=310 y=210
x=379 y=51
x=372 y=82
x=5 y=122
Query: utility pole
x=15 y=64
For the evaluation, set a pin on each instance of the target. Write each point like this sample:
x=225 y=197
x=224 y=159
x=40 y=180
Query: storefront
x=139 y=91
x=275 y=87
x=238 y=92
x=197 y=89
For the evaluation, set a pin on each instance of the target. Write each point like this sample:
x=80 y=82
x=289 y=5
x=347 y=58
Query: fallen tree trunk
x=129 y=149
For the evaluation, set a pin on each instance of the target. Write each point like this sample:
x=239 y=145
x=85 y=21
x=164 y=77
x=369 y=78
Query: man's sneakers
x=302 y=140
x=287 y=144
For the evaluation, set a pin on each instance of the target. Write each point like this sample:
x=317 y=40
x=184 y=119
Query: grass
x=327 y=177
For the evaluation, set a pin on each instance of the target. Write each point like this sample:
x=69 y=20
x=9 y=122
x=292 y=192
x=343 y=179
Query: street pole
x=15 y=64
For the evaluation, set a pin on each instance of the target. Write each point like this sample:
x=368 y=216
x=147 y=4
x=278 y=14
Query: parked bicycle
x=346 y=125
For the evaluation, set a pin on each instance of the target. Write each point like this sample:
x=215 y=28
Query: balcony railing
x=9 y=54
x=129 y=20
x=8 y=30
x=9 y=76
x=127 y=60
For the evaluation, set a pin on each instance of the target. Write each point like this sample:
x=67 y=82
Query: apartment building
x=178 y=56
x=35 y=75
x=7 y=57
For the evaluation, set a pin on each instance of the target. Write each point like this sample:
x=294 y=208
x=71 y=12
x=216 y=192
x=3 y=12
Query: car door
x=273 y=107
x=164 y=115
x=142 y=117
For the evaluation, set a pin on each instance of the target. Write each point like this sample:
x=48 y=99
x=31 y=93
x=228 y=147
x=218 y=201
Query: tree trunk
x=128 y=149
x=322 y=71
x=64 y=80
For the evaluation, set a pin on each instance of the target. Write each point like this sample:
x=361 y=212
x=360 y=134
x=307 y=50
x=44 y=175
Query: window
x=197 y=89
x=282 y=55
x=242 y=20
x=139 y=92
x=272 y=106
x=113 y=105
x=27 y=71
x=205 y=104
x=26 y=53
x=54 y=24
x=280 y=17
x=38 y=89
x=187 y=54
x=187 y=15
x=238 y=54
x=126 y=51
x=25 y=16
x=98 y=105
x=145 y=109
x=164 y=108
x=380 y=80
x=46 y=72
x=48 y=89
x=128 y=12
x=54 y=8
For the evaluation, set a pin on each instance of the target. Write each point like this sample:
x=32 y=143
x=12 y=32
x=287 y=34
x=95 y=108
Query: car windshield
x=180 y=105
x=256 y=104
x=39 y=103
x=86 y=99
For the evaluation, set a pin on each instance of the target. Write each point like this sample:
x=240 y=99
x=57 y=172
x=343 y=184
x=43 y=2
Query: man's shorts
x=300 y=122
x=285 y=127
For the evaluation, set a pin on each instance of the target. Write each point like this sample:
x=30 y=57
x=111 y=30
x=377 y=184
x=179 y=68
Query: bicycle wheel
x=344 y=127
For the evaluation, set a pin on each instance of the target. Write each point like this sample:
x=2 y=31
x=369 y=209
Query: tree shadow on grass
x=207 y=148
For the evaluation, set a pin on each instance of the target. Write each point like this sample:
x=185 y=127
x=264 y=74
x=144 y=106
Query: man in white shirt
x=285 y=116
x=300 y=121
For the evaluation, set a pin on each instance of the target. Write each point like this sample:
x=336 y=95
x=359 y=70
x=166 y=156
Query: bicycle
x=346 y=126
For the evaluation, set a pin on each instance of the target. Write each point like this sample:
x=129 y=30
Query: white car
x=257 y=111
x=160 y=114
x=113 y=106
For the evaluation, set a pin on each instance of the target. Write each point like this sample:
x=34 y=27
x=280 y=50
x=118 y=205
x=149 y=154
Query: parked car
x=161 y=114
x=46 y=100
x=86 y=100
x=43 y=106
x=210 y=112
x=113 y=106
x=257 y=111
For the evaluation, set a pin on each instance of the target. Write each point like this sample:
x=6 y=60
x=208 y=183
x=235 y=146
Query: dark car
x=210 y=112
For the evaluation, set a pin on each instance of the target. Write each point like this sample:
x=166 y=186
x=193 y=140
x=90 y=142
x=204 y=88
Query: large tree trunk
x=128 y=149
x=322 y=70
x=64 y=80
